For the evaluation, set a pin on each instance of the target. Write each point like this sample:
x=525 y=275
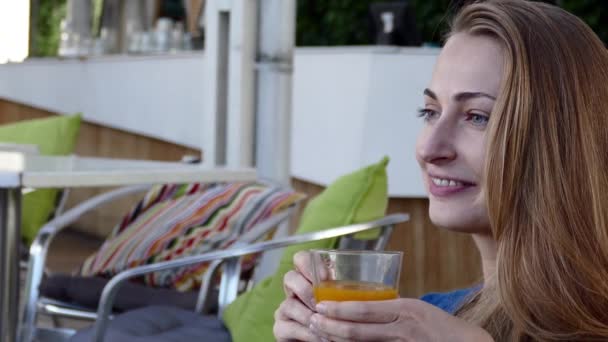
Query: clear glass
x=346 y=275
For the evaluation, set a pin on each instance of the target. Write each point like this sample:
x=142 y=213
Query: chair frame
x=230 y=256
x=228 y=260
x=38 y=251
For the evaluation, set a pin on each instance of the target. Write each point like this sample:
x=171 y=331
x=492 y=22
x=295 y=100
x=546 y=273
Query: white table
x=18 y=170
x=24 y=148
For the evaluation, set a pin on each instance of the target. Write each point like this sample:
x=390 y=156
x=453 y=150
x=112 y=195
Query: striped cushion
x=174 y=221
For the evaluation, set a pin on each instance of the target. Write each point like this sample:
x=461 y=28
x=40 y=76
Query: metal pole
x=10 y=217
x=228 y=128
x=274 y=66
x=33 y=35
x=274 y=86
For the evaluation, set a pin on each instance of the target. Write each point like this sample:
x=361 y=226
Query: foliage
x=593 y=12
x=433 y=17
x=346 y=22
x=47 y=27
x=335 y=22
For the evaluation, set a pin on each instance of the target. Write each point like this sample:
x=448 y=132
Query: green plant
x=433 y=17
x=47 y=27
x=346 y=22
x=333 y=22
x=593 y=12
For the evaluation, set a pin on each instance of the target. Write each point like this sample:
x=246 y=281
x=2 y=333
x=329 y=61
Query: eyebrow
x=463 y=96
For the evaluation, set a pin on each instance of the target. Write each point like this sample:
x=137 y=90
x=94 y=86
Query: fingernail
x=321 y=308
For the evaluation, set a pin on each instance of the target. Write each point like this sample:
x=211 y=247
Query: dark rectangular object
x=394 y=23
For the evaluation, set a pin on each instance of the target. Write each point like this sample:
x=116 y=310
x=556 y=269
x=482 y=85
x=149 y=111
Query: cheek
x=472 y=150
x=478 y=159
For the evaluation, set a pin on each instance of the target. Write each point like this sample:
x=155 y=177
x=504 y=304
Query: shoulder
x=449 y=301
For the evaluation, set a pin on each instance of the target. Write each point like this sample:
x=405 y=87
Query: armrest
x=39 y=247
x=51 y=228
x=110 y=290
x=229 y=287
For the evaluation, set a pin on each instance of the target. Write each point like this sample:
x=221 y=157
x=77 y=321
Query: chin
x=459 y=217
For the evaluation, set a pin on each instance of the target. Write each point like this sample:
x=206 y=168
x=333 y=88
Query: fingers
x=292 y=322
x=294 y=310
x=287 y=331
x=334 y=330
x=296 y=285
x=368 y=312
x=302 y=263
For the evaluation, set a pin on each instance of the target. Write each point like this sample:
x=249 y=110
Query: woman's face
x=451 y=146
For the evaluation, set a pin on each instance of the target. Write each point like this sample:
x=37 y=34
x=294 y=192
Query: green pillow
x=354 y=198
x=54 y=136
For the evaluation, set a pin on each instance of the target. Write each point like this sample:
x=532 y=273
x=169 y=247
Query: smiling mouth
x=446 y=182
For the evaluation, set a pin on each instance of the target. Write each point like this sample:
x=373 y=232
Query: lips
x=441 y=186
x=446 y=182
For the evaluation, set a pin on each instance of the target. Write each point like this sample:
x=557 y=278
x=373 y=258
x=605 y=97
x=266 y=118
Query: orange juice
x=336 y=290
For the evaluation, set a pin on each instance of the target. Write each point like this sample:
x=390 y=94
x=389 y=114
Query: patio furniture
x=18 y=171
x=357 y=197
x=88 y=289
x=170 y=324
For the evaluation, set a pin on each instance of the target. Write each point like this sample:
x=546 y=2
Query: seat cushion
x=86 y=291
x=160 y=324
x=354 y=198
x=54 y=136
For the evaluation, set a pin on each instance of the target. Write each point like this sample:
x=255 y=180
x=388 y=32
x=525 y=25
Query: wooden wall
x=434 y=260
x=99 y=141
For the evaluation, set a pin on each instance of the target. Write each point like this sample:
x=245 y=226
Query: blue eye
x=427 y=114
x=480 y=120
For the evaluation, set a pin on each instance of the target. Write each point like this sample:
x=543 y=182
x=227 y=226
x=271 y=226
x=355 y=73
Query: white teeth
x=446 y=182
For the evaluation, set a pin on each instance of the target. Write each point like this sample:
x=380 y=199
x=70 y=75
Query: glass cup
x=346 y=275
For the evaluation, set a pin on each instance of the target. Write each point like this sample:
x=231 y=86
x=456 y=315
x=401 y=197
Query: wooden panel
x=99 y=141
x=434 y=259
x=11 y=112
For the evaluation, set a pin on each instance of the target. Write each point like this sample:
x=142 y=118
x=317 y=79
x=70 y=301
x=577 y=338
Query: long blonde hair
x=546 y=177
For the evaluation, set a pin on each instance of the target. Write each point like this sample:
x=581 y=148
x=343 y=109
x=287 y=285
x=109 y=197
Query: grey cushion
x=160 y=323
x=86 y=291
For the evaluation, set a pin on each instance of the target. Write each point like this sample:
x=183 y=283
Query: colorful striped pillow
x=174 y=221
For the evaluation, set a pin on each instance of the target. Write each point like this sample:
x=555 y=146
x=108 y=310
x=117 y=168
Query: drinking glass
x=347 y=275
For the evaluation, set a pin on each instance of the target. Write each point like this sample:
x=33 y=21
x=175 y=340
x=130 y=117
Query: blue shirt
x=449 y=301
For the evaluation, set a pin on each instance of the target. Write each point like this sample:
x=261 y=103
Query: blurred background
x=43 y=28
x=153 y=80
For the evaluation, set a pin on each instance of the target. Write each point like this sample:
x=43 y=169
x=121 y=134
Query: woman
x=514 y=152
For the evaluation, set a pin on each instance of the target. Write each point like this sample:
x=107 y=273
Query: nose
x=436 y=143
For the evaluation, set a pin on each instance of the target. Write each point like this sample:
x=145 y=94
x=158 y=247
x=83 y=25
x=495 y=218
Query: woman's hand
x=391 y=320
x=292 y=318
